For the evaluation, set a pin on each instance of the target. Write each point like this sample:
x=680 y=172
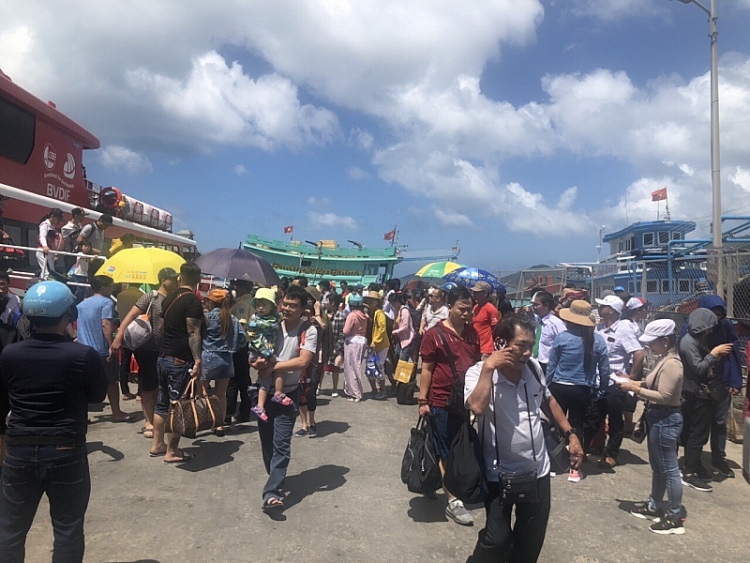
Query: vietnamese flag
x=390 y=235
x=289 y=229
x=659 y=195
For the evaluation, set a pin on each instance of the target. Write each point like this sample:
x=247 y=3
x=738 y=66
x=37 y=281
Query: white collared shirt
x=517 y=422
x=551 y=327
x=622 y=343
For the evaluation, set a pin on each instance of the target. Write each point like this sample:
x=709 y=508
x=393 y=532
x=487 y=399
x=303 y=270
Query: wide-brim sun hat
x=578 y=313
x=657 y=329
x=372 y=295
x=264 y=293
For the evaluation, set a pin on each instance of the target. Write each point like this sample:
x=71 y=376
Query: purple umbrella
x=238 y=264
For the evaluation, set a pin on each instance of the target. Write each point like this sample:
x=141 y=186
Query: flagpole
x=668 y=217
x=658 y=207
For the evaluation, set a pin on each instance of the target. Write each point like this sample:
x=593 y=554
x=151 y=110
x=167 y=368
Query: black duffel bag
x=419 y=468
x=464 y=470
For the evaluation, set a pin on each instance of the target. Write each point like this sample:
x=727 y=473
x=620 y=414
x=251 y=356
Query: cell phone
x=500 y=344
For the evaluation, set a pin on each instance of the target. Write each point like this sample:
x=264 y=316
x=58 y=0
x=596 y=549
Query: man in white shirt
x=625 y=353
x=508 y=396
x=551 y=325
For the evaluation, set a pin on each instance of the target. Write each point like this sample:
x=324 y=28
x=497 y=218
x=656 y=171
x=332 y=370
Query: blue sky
x=515 y=126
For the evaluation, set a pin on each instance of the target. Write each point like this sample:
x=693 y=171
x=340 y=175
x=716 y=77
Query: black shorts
x=148 y=378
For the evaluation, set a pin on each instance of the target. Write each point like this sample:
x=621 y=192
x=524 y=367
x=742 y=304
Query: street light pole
x=715 y=147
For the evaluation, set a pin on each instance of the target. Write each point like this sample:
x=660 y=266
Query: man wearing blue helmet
x=46 y=384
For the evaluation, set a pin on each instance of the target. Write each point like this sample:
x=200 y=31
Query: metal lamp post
x=715 y=152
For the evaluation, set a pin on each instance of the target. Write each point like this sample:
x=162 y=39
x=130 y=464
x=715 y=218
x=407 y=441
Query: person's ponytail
x=226 y=318
x=587 y=333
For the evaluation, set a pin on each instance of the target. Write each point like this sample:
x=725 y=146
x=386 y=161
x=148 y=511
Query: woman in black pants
x=576 y=356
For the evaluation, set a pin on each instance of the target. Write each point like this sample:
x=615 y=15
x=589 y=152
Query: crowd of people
x=580 y=365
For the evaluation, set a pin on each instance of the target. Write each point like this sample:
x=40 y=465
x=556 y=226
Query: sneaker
x=317 y=391
x=723 y=468
x=380 y=396
x=574 y=476
x=666 y=526
x=312 y=432
x=643 y=510
x=335 y=394
x=301 y=432
x=697 y=483
x=704 y=474
x=457 y=512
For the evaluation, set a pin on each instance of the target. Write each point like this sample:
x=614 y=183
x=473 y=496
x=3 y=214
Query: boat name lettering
x=58 y=192
x=318 y=271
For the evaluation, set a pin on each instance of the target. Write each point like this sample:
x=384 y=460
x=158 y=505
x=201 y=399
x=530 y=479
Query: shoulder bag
x=455 y=403
x=556 y=447
x=194 y=412
x=140 y=330
x=520 y=487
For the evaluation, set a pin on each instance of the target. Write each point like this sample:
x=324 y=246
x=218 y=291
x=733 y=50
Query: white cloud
x=609 y=10
x=451 y=218
x=124 y=159
x=240 y=170
x=321 y=221
x=741 y=177
x=357 y=174
x=321 y=201
x=363 y=140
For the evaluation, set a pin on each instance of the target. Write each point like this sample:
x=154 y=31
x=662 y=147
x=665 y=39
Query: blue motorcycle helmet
x=448 y=286
x=50 y=300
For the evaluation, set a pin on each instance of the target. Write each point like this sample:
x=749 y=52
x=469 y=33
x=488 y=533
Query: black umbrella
x=238 y=264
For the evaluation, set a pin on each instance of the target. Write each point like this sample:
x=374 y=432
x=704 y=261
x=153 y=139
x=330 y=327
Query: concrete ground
x=346 y=502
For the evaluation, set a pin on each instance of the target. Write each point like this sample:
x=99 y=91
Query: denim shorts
x=216 y=365
x=174 y=375
x=445 y=426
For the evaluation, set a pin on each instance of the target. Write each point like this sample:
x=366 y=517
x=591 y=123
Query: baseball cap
x=355 y=299
x=657 y=329
x=167 y=274
x=619 y=289
x=612 y=301
x=482 y=286
x=635 y=303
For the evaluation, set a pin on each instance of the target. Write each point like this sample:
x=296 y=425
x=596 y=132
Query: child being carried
x=262 y=330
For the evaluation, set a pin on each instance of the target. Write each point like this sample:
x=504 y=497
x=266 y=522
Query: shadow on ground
x=317 y=480
x=116 y=455
x=328 y=427
x=210 y=454
x=427 y=511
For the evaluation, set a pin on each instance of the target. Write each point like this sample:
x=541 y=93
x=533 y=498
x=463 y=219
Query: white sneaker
x=335 y=394
x=457 y=512
x=574 y=476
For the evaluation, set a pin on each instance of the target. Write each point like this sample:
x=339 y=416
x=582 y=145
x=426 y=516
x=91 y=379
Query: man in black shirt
x=179 y=357
x=46 y=382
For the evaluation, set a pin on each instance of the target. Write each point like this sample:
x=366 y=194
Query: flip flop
x=128 y=418
x=157 y=454
x=147 y=432
x=269 y=505
x=185 y=458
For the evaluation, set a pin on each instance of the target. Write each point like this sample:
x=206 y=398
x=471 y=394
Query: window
x=306 y=263
x=676 y=236
x=648 y=239
x=651 y=286
x=665 y=286
x=17 y=132
x=684 y=286
x=663 y=237
x=370 y=270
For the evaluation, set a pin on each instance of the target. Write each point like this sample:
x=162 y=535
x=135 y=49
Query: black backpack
x=464 y=470
x=419 y=468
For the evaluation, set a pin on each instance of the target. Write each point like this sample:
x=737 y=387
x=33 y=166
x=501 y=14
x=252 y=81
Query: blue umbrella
x=470 y=276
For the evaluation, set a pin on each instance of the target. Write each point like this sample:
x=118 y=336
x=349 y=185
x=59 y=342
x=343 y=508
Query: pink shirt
x=356 y=324
x=405 y=331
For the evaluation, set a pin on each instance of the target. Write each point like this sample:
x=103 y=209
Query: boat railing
x=272 y=245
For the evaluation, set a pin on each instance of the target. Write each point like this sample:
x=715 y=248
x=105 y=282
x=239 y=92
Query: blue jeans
x=276 y=443
x=174 y=375
x=63 y=475
x=664 y=429
x=80 y=291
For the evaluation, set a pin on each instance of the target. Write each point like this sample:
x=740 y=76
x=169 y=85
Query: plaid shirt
x=337 y=327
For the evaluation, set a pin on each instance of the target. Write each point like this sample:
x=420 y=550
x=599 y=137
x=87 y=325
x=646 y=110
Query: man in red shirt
x=438 y=377
x=486 y=317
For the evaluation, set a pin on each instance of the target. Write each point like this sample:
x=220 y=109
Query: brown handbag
x=194 y=412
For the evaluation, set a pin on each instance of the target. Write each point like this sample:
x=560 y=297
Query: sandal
x=282 y=400
x=272 y=503
x=184 y=459
x=147 y=432
x=128 y=397
x=260 y=412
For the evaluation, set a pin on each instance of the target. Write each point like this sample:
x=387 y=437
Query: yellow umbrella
x=438 y=269
x=140 y=265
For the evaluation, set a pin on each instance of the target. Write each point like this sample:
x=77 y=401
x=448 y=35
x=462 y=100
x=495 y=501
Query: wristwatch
x=569 y=433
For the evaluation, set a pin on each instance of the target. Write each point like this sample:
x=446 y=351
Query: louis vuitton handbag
x=194 y=412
